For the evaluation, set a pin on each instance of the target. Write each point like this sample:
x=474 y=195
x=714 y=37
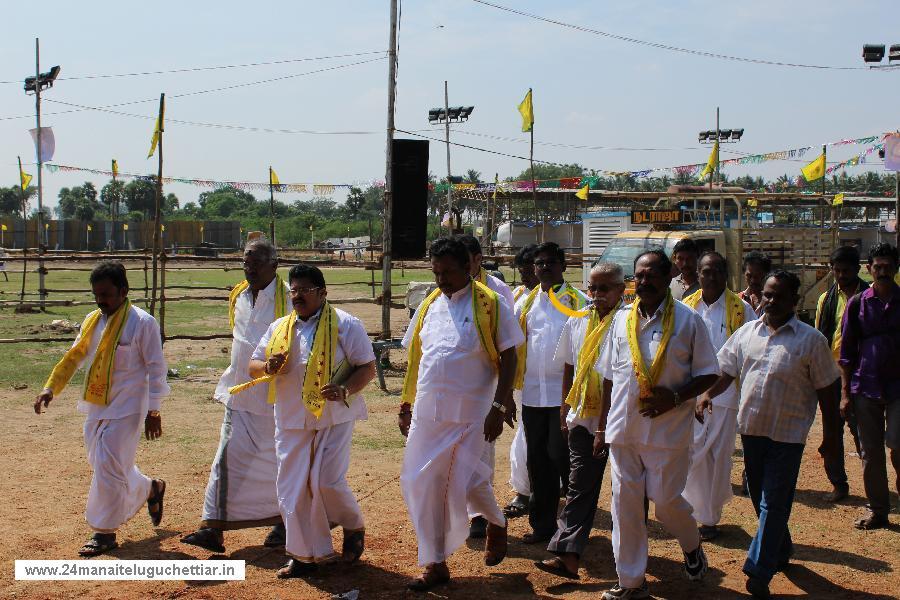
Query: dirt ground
x=46 y=478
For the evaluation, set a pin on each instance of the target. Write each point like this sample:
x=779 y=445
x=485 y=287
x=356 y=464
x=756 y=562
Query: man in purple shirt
x=870 y=379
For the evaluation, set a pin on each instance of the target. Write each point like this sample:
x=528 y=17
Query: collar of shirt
x=458 y=294
x=790 y=324
x=266 y=294
x=869 y=294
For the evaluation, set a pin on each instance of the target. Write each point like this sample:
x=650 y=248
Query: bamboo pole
x=159 y=190
x=162 y=296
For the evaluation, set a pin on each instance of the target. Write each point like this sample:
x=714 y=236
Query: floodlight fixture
x=895 y=53
x=465 y=111
x=737 y=134
x=701 y=137
x=873 y=53
x=44 y=80
x=435 y=114
x=724 y=134
x=453 y=113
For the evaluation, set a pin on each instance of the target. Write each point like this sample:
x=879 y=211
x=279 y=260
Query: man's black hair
x=845 y=255
x=112 y=271
x=787 y=277
x=310 y=272
x=525 y=256
x=473 y=246
x=718 y=256
x=665 y=263
x=758 y=258
x=686 y=245
x=553 y=249
x=881 y=250
x=452 y=247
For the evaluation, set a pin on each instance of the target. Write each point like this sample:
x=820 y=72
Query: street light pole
x=447 y=136
x=41 y=230
x=388 y=187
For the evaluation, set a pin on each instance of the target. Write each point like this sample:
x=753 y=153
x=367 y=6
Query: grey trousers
x=878 y=421
x=585 y=479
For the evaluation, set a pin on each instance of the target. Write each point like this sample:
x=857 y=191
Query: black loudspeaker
x=409 y=184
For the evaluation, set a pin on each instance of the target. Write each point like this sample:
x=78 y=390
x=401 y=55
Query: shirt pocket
x=467 y=337
x=125 y=356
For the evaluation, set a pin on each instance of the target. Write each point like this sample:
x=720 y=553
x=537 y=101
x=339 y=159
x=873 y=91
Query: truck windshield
x=623 y=251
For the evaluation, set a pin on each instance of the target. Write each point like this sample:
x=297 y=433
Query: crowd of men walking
x=657 y=389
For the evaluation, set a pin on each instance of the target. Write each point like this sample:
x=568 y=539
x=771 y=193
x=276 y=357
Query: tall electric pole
x=388 y=187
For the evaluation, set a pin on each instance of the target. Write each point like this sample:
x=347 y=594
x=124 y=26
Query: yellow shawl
x=486 y=314
x=279 y=298
x=647 y=379
x=99 y=376
x=320 y=363
x=585 y=393
x=734 y=308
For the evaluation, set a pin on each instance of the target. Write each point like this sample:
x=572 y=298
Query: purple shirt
x=870 y=344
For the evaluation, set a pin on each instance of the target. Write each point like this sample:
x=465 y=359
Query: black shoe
x=276 y=537
x=840 y=492
x=695 y=565
x=708 y=532
x=758 y=588
x=478 y=528
x=295 y=568
x=518 y=507
x=206 y=538
x=745 y=489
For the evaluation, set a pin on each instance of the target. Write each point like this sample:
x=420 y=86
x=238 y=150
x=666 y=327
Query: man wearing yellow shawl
x=658 y=360
x=581 y=415
x=708 y=486
x=318 y=359
x=124 y=387
x=241 y=488
x=518 y=450
x=540 y=376
x=456 y=396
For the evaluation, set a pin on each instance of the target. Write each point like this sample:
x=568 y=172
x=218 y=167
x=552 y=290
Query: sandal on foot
x=434 y=575
x=206 y=538
x=555 y=566
x=354 y=545
x=495 y=546
x=157 y=491
x=872 y=522
x=276 y=537
x=99 y=544
x=296 y=568
x=517 y=507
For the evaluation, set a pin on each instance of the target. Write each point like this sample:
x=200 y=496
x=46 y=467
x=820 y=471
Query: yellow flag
x=90 y=228
x=162 y=227
x=496 y=184
x=526 y=109
x=24 y=179
x=752 y=203
x=273 y=177
x=46 y=225
x=115 y=167
x=3 y=227
x=582 y=194
x=838 y=199
x=712 y=162
x=156 y=133
x=125 y=226
x=815 y=169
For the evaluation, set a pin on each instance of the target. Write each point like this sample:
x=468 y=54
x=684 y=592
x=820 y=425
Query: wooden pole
x=531 y=168
x=24 y=234
x=162 y=295
x=371 y=258
x=388 y=185
x=42 y=247
x=114 y=206
x=822 y=199
x=159 y=187
x=447 y=137
x=271 y=208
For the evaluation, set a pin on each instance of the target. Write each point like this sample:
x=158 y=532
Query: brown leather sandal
x=495 y=546
x=434 y=575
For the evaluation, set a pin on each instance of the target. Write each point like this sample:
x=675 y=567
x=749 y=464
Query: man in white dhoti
x=319 y=359
x=708 y=486
x=518 y=450
x=462 y=358
x=124 y=387
x=241 y=489
x=658 y=360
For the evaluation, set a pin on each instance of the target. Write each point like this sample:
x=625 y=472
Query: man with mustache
x=582 y=414
x=658 y=361
x=685 y=255
x=241 y=488
x=456 y=395
x=756 y=267
x=870 y=378
x=785 y=369
x=124 y=388
x=300 y=355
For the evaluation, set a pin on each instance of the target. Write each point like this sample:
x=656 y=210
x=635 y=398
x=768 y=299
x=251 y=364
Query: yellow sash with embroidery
x=517 y=293
x=320 y=363
x=99 y=376
x=585 y=393
x=279 y=298
x=734 y=308
x=522 y=351
x=486 y=314
x=648 y=378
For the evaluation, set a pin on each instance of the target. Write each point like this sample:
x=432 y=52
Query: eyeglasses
x=306 y=290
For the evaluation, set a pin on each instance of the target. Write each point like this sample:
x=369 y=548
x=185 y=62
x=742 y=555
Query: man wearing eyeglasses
x=241 y=489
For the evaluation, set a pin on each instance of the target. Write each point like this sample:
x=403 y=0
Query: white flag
x=48 y=143
x=892 y=153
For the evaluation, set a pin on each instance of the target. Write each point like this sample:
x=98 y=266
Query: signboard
x=657 y=217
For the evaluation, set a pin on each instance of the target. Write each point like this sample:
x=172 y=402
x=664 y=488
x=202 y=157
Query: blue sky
x=589 y=90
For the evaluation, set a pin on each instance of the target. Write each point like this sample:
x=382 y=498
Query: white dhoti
x=660 y=473
x=445 y=481
x=518 y=470
x=118 y=488
x=313 y=492
x=708 y=486
x=241 y=489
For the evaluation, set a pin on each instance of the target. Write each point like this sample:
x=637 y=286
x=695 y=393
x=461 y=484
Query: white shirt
x=543 y=371
x=570 y=341
x=353 y=344
x=713 y=316
x=139 y=369
x=250 y=324
x=501 y=288
x=457 y=380
x=689 y=354
x=779 y=372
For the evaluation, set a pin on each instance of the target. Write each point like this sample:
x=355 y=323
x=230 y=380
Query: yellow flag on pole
x=273 y=177
x=162 y=227
x=583 y=193
x=115 y=168
x=125 y=226
x=752 y=202
x=526 y=109
x=496 y=184
x=815 y=169
x=156 y=132
x=89 y=228
x=711 y=163
x=3 y=227
x=24 y=179
x=838 y=199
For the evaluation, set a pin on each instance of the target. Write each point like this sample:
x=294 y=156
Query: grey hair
x=264 y=247
x=606 y=267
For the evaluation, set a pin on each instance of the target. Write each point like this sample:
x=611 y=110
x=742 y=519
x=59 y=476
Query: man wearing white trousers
x=304 y=355
x=658 y=360
x=708 y=486
x=241 y=489
x=124 y=387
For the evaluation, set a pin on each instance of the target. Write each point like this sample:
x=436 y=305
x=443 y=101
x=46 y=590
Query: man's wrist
x=153 y=413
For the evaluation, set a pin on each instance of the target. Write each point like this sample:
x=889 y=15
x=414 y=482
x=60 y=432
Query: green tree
x=11 y=200
x=112 y=195
x=140 y=196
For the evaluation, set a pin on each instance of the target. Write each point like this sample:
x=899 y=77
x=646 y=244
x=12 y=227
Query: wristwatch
x=346 y=392
x=678 y=400
x=152 y=413
x=499 y=407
